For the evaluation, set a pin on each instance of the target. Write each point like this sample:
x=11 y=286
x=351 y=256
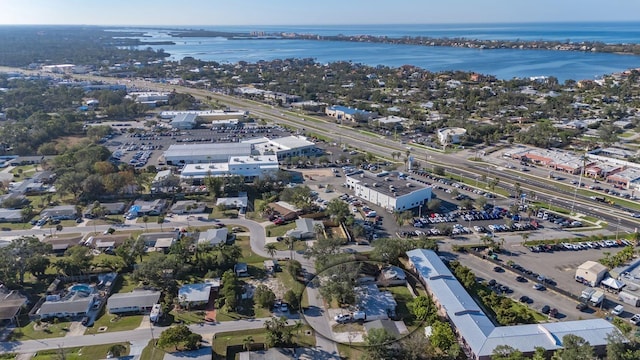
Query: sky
x=310 y=12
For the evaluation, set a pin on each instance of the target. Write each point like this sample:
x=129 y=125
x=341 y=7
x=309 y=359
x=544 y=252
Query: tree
x=379 y=344
x=506 y=352
x=21 y=251
x=264 y=297
x=442 y=336
x=117 y=350
x=77 y=260
x=294 y=267
x=277 y=332
x=247 y=343
x=338 y=210
x=145 y=220
x=192 y=342
x=434 y=205
x=174 y=336
x=293 y=299
x=161 y=221
x=575 y=348
x=271 y=249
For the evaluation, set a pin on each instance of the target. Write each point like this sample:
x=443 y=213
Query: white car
x=635 y=319
x=342 y=318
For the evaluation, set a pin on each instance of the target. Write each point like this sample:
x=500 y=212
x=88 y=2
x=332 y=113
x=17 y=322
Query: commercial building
x=627 y=178
x=591 y=273
x=178 y=154
x=390 y=121
x=184 y=121
x=477 y=333
x=450 y=135
x=206 y=114
x=346 y=113
x=249 y=167
x=285 y=147
x=554 y=159
x=149 y=97
x=394 y=192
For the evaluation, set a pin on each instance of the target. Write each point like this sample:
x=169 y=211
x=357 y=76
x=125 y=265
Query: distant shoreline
x=583 y=46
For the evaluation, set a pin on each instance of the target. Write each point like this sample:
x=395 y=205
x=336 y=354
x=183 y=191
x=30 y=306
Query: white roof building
x=450 y=135
x=247 y=166
x=214 y=236
x=478 y=333
x=392 y=192
x=184 y=121
x=205 y=153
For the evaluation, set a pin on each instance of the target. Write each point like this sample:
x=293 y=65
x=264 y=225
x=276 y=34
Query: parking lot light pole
x=420 y=211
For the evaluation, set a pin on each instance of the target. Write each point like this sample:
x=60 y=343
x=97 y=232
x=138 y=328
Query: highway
x=456 y=163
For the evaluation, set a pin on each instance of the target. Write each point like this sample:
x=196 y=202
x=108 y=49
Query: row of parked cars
x=558 y=220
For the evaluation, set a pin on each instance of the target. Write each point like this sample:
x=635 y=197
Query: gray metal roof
x=476 y=328
x=199 y=150
x=141 y=298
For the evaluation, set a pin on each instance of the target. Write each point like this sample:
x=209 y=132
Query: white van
x=617 y=310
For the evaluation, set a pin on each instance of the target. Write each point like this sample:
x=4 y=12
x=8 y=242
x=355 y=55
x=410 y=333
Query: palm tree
x=145 y=220
x=271 y=249
x=318 y=228
x=161 y=221
x=247 y=343
x=289 y=241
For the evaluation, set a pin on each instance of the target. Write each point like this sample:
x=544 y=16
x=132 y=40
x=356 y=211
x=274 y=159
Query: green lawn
x=280 y=230
x=151 y=352
x=45 y=330
x=6 y=226
x=188 y=317
x=119 y=323
x=248 y=256
x=290 y=283
x=79 y=353
x=223 y=340
x=403 y=298
x=351 y=352
x=299 y=245
x=124 y=284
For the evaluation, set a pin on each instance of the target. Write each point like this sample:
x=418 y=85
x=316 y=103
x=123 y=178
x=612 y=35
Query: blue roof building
x=351 y=114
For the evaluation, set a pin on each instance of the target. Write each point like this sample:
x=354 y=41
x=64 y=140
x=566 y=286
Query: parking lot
x=139 y=146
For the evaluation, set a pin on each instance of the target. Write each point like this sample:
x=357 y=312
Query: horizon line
x=343 y=24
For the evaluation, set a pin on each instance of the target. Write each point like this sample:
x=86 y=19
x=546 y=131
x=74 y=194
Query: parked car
x=553 y=313
x=521 y=279
x=538 y=287
x=582 y=306
x=545 y=309
x=617 y=310
x=342 y=318
x=635 y=319
x=498 y=269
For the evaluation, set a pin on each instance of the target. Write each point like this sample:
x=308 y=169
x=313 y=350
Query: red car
x=278 y=221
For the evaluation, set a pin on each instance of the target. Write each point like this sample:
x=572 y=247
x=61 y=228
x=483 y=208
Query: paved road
x=207 y=331
x=325 y=347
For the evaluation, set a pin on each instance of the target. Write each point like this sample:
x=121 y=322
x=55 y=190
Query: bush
x=264 y=297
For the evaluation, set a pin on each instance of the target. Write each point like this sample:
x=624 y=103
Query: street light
x=420 y=211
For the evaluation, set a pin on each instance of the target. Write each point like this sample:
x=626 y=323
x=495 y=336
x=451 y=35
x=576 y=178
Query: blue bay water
x=503 y=63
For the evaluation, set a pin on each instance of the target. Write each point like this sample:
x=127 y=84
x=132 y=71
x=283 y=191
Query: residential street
x=315 y=316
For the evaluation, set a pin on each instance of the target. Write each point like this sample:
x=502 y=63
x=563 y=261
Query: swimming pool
x=81 y=287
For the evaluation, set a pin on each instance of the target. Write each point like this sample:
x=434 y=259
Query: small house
x=137 y=301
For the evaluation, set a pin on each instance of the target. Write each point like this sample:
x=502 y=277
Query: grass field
x=80 y=353
x=280 y=230
x=114 y=323
x=31 y=331
x=225 y=340
x=151 y=352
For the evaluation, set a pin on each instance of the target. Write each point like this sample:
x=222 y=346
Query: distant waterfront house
x=137 y=301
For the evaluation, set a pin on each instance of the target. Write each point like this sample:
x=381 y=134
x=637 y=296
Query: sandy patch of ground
x=272 y=283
